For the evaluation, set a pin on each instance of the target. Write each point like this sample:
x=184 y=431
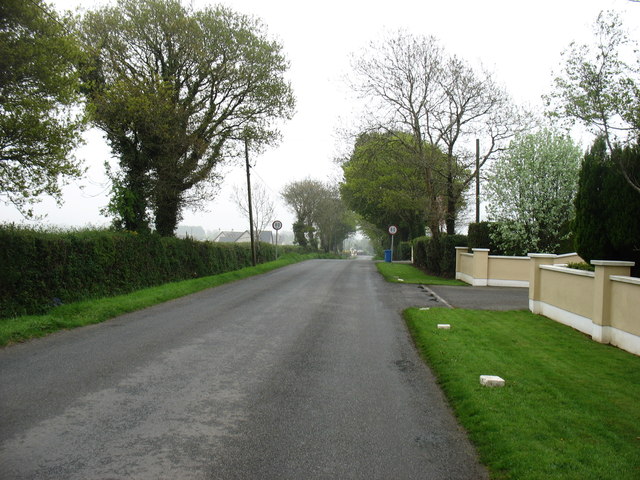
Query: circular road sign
x=277 y=225
x=393 y=229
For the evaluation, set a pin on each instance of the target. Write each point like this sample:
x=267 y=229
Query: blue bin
x=387 y=256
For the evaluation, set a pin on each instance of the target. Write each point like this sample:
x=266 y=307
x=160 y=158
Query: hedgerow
x=438 y=257
x=41 y=269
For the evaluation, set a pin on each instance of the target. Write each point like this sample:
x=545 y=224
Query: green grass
x=410 y=274
x=95 y=311
x=570 y=408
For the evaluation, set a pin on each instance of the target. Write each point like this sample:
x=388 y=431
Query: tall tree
x=303 y=198
x=607 y=225
x=473 y=106
x=334 y=221
x=530 y=193
x=600 y=89
x=39 y=94
x=383 y=185
x=411 y=85
x=322 y=219
x=176 y=91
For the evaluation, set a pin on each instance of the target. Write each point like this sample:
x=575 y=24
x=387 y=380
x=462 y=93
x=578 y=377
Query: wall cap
x=480 y=249
x=620 y=278
x=612 y=263
x=462 y=248
x=541 y=255
x=569 y=271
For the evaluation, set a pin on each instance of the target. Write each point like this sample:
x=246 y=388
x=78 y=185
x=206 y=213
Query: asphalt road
x=304 y=372
x=484 y=298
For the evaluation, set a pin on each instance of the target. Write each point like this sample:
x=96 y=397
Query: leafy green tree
x=39 y=94
x=322 y=219
x=303 y=198
x=601 y=90
x=607 y=225
x=177 y=91
x=530 y=192
x=335 y=222
x=300 y=233
x=385 y=186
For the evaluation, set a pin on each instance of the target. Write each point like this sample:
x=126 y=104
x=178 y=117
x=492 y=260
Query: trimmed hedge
x=479 y=236
x=404 y=251
x=438 y=257
x=41 y=269
x=607 y=225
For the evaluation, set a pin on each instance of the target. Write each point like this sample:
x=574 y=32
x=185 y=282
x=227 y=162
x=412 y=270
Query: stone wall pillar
x=602 y=296
x=459 y=252
x=480 y=267
x=535 y=260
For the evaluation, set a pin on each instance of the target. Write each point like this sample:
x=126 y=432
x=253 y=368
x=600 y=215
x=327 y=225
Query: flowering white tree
x=531 y=190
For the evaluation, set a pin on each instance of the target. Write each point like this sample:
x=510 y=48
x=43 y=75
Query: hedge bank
x=438 y=256
x=41 y=269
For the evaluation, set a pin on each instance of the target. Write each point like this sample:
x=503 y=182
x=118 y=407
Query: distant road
x=306 y=372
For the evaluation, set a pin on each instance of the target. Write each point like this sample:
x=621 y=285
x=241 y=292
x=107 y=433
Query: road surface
x=304 y=372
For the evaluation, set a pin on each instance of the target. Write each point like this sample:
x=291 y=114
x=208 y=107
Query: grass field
x=393 y=272
x=95 y=311
x=570 y=408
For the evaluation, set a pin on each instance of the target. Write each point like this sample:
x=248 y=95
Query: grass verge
x=570 y=408
x=392 y=272
x=88 y=312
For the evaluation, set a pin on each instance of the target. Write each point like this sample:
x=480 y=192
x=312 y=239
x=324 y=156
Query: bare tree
x=474 y=106
x=412 y=86
x=262 y=204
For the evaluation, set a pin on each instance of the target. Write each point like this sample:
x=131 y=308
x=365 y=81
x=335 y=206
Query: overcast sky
x=520 y=41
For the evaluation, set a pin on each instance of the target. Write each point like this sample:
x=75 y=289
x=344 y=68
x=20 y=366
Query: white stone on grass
x=444 y=326
x=424 y=308
x=491 y=381
x=400 y=280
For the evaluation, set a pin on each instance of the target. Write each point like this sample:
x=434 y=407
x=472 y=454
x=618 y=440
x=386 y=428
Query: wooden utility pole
x=477 y=180
x=251 y=233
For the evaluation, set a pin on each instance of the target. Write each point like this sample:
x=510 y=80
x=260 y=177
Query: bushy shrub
x=438 y=257
x=582 y=266
x=479 y=236
x=403 y=251
x=41 y=268
x=607 y=207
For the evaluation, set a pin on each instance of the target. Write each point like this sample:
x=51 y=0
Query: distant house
x=243 y=237
x=233 y=237
x=267 y=237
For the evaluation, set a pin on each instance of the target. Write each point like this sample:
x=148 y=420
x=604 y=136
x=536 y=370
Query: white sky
x=520 y=41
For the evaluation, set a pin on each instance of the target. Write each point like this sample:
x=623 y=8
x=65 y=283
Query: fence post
x=535 y=260
x=459 y=251
x=480 y=267
x=602 y=296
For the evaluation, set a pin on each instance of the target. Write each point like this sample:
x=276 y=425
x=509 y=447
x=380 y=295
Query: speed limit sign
x=393 y=229
x=277 y=225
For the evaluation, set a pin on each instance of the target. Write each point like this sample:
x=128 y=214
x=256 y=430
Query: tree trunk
x=450 y=213
x=135 y=219
x=167 y=213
